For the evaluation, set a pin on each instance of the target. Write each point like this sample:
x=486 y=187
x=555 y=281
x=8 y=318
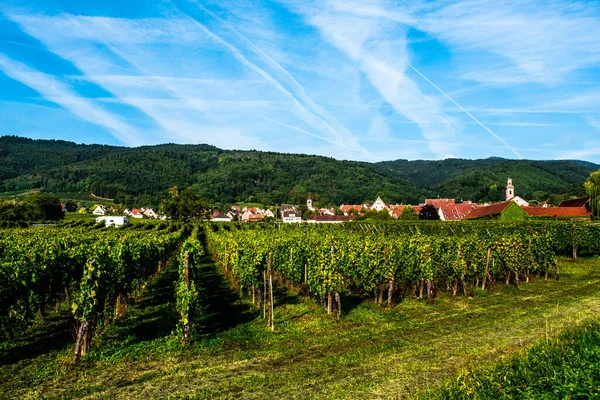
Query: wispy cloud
x=70 y=36
x=312 y=113
x=546 y=41
x=344 y=78
x=58 y=92
x=379 y=49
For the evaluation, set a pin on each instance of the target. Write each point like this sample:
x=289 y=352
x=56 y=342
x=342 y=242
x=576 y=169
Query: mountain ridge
x=134 y=175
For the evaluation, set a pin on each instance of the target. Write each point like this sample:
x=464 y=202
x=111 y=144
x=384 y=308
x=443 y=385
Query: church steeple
x=309 y=203
x=510 y=190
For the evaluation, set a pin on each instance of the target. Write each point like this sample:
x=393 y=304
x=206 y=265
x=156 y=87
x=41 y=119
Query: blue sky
x=364 y=80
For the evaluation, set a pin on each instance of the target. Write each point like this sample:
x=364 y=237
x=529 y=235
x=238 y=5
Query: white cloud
x=75 y=38
x=378 y=48
x=58 y=92
x=545 y=40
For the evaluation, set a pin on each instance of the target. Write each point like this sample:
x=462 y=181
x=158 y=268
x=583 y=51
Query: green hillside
x=142 y=175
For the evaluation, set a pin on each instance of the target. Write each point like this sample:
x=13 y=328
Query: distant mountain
x=141 y=175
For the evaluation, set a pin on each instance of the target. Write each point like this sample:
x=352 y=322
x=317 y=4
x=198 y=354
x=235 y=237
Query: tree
x=375 y=215
x=592 y=187
x=185 y=205
x=71 y=206
x=42 y=206
x=307 y=214
x=408 y=214
x=429 y=213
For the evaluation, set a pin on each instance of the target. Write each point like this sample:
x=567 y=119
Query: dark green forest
x=143 y=175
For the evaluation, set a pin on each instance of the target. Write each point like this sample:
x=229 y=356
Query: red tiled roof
x=347 y=208
x=437 y=203
x=488 y=211
x=256 y=218
x=398 y=210
x=455 y=212
x=557 y=211
x=581 y=202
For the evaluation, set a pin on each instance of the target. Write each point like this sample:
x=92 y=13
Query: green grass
x=370 y=352
x=564 y=367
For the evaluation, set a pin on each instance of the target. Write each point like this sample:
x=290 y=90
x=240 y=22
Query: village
x=514 y=208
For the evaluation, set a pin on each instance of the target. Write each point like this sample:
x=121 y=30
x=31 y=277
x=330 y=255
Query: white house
x=378 y=205
x=150 y=213
x=269 y=214
x=221 y=218
x=135 y=213
x=291 y=216
x=100 y=210
x=113 y=221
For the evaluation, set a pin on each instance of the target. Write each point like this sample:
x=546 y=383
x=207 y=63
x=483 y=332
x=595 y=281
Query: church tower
x=309 y=203
x=510 y=190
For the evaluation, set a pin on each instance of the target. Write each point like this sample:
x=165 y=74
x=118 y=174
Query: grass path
x=369 y=353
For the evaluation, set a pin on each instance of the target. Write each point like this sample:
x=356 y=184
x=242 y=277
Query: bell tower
x=510 y=189
x=309 y=203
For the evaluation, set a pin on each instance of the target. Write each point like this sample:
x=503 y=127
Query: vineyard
x=96 y=272
x=99 y=276
x=384 y=262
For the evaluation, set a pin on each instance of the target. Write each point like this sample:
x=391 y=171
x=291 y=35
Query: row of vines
x=96 y=271
x=371 y=261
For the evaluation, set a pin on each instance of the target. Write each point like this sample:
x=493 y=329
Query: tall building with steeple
x=510 y=190
x=510 y=194
x=309 y=204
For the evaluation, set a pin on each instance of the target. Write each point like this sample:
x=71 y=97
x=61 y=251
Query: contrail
x=315 y=111
x=321 y=111
x=467 y=112
x=302 y=130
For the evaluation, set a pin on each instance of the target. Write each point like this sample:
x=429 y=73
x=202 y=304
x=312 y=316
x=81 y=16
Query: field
x=370 y=352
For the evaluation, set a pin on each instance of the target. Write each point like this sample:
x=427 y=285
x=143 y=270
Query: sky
x=364 y=80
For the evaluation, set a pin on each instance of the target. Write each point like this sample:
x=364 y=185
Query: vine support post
x=270 y=272
x=338 y=301
x=264 y=294
x=305 y=273
x=487 y=268
x=186 y=272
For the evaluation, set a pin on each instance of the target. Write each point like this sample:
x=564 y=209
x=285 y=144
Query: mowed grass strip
x=564 y=367
x=371 y=352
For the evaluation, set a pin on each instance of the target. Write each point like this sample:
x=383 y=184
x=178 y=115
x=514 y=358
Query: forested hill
x=141 y=176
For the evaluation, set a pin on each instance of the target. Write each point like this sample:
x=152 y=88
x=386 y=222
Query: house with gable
x=269 y=214
x=99 y=210
x=379 y=205
x=290 y=214
x=135 y=213
x=150 y=213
